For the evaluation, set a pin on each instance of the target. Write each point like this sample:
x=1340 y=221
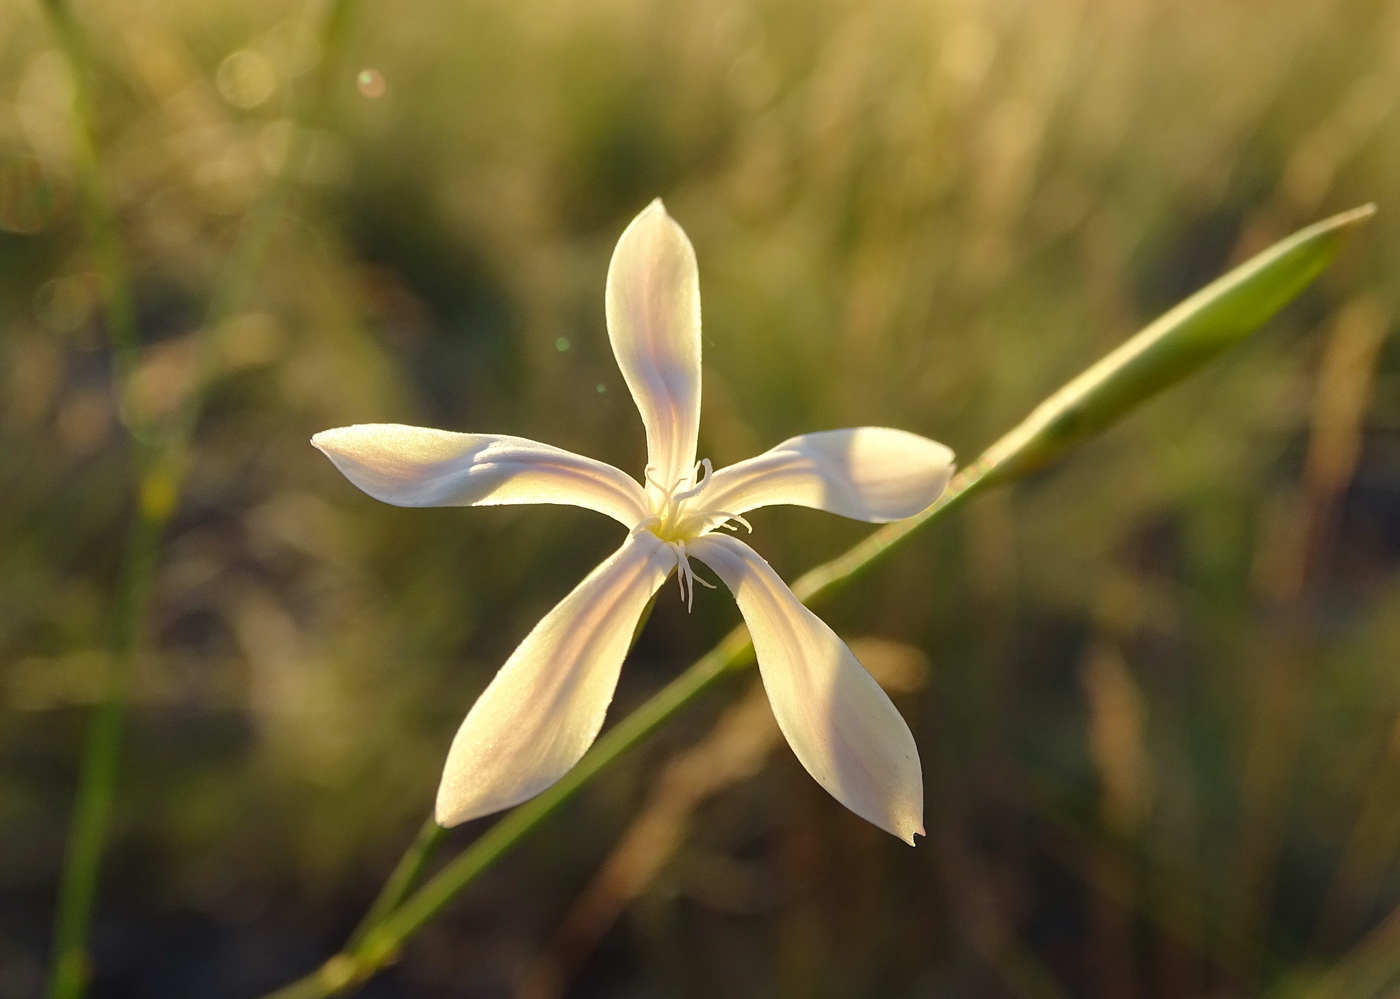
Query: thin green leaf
x=1202 y=327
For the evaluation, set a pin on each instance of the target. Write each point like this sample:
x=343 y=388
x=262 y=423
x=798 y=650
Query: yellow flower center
x=678 y=514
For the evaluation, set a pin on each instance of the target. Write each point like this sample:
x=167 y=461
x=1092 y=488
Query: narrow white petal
x=653 y=311
x=545 y=707
x=416 y=466
x=838 y=721
x=868 y=473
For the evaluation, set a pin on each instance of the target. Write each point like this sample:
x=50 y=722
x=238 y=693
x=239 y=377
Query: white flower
x=546 y=705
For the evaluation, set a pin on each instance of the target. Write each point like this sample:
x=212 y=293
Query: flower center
x=678 y=514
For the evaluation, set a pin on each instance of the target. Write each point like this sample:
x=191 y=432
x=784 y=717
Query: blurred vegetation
x=1155 y=689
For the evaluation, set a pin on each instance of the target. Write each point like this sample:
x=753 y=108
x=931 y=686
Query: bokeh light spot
x=371 y=83
x=245 y=79
x=562 y=344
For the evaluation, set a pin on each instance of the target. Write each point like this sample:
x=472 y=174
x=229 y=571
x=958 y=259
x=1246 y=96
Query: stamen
x=668 y=495
x=686 y=577
x=673 y=520
x=722 y=519
x=735 y=517
x=703 y=471
x=683 y=575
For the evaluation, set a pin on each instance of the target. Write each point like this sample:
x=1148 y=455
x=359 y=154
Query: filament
x=686 y=577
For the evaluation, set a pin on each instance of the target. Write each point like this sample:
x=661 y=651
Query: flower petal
x=653 y=311
x=416 y=466
x=545 y=706
x=838 y=721
x=868 y=473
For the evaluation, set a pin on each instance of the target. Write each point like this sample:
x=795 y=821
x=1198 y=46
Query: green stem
x=102 y=745
x=97 y=781
x=1168 y=350
x=160 y=461
x=405 y=875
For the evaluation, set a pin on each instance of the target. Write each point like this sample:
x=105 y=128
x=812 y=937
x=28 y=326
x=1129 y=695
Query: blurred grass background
x=1155 y=689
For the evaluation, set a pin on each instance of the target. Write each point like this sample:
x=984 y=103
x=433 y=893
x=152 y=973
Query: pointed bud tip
x=1350 y=217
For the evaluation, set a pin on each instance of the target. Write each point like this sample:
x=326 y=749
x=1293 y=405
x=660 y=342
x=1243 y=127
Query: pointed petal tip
x=841 y=725
x=654 y=215
x=902 y=827
x=445 y=815
x=874 y=474
x=463 y=797
x=329 y=440
x=453 y=808
x=545 y=706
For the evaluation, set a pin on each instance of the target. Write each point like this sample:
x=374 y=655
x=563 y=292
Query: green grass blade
x=1202 y=327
